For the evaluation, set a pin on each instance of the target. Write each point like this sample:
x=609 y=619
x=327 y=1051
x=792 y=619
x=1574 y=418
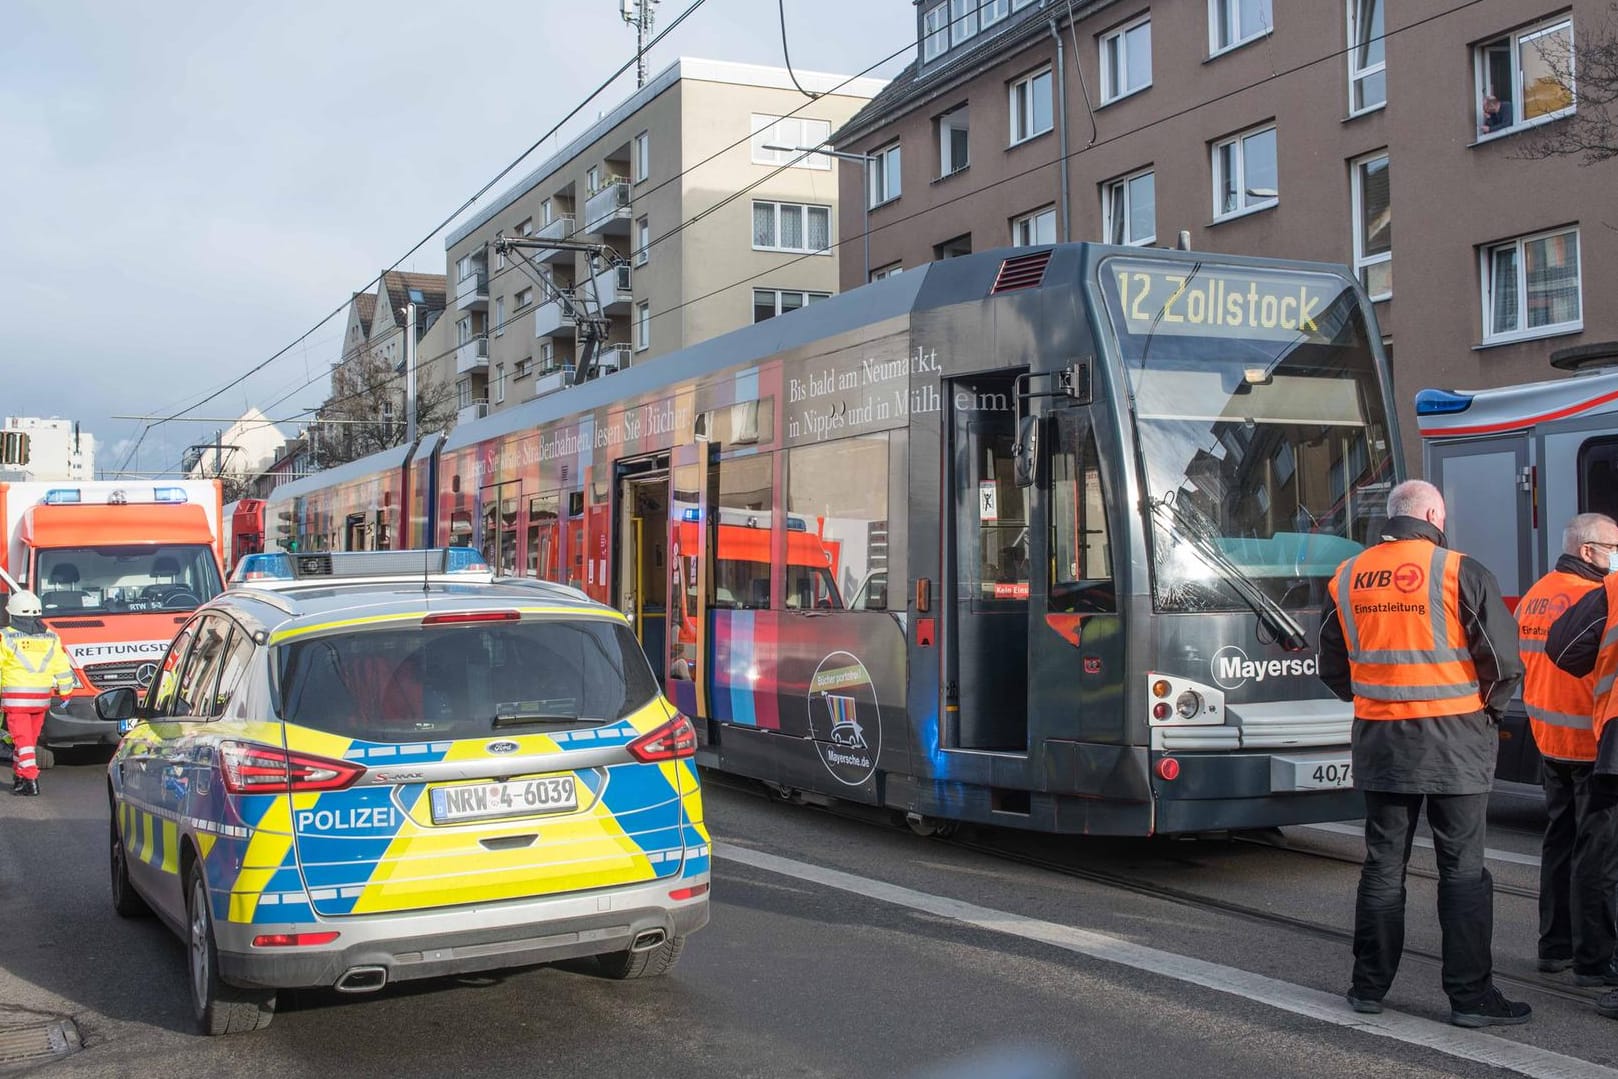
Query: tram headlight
x=1188 y=704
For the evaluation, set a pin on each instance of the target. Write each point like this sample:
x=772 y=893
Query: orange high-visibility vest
x=1399 y=604
x=1559 y=705
x=1606 y=671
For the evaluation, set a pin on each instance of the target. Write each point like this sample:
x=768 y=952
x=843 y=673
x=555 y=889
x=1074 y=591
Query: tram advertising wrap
x=1034 y=537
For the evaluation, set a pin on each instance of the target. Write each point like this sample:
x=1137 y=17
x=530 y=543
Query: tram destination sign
x=1203 y=300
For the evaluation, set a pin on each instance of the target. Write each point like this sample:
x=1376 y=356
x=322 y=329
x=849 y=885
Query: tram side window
x=745 y=518
x=543 y=536
x=1598 y=476
x=1081 y=548
x=837 y=525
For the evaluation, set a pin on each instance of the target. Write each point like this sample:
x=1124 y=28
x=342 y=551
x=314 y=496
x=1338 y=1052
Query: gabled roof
x=431 y=291
x=364 y=308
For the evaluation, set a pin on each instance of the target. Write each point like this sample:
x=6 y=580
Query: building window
x=1031 y=106
x=1367 y=61
x=1245 y=177
x=1525 y=78
x=1236 y=22
x=499 y=392
x=547 y=212
x=463 y=393
x=525 y=297
x=1531 y=286
x=1373 y=226
x=769 y=302
x=499 y=316
x=463 y=268
x=883 y=174
x=955 y=248
x=884 y=272
x=963 y=20
x=1038 y=227
x=1126 y=60
x=787 y=132
x=547 y=357
x=789 y=226
x=525 y=227
x=592 y=179
x=953 y=141
x=643 y=325
x=935 y=32
x=463 y=330
x=643 y=240
x=642 y=149
x=1129 y=209
x=524 y=368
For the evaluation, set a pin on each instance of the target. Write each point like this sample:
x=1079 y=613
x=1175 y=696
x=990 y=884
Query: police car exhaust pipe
x=362 y=980
x=645 y=942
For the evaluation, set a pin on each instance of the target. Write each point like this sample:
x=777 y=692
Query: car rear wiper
x=515 y=715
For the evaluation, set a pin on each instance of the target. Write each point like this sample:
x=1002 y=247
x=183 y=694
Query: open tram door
x=641 y=576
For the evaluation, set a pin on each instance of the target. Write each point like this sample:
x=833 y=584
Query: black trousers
x=1578 y=867
x=1465 y=892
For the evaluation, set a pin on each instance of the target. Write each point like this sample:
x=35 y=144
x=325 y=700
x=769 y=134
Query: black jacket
x=1572 y=643
x=1445 y=754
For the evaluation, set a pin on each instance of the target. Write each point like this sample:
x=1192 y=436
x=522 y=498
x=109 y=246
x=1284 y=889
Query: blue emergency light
x=1442 y=402
x=63 y=496
x=169 y=494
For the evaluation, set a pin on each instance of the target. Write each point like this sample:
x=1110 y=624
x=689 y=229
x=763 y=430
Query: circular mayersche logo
x=843 y=717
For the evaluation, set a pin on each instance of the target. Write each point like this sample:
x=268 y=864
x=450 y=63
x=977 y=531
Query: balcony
x=472 y=356
x=559 y=229
x=613 y=358
x=551 y=319
x=612 y=289
x=474 y=411
x=607 y=211
x=555 y=379
x=472 y=294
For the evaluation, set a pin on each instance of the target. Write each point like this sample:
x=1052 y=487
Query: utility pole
x=410 y=374
x=638 y=13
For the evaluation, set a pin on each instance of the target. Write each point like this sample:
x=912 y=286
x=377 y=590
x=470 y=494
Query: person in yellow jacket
x=33 y=667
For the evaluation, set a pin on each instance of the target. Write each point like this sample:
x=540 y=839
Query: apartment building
x=57 y=449
x=1293 y=130
x=684 y=224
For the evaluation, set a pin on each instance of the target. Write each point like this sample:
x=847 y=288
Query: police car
x=359 y=768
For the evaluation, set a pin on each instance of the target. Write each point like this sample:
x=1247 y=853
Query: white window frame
x=963 y=21
x=1122 y=184
x=788 y=131
x=643 y=326
x=935 y=31
x=463 y=329
x=547 y=212
x=464 y=268
x=1025 y=227
x=592 y=180
x=499 y=381
x=1224 y=14
x=642 y=153
x=1021 y=99
x=947 y=165
x=1116 y=41
x=1362 y=261
x=1523 y=332
x=883 y=189
x=807 y=296
x=1358 y=75
x=1514 y=43
x=803 y=208
x=643 y=240
x=499 y=315
x=991 y=12
x=882 y=273
x=522 y=368
x=524 y=304
x=1244 y=206
x=547 y=357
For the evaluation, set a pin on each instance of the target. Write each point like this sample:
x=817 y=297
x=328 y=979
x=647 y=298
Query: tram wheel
x=931 y=827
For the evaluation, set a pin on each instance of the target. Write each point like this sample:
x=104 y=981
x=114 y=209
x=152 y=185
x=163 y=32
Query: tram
x=1035 y=537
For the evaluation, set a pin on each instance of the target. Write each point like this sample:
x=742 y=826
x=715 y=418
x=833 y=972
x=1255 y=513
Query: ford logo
x=501 y=747
x=145 y=673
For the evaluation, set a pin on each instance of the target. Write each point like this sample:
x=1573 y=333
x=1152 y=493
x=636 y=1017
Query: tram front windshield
x=1261 y=425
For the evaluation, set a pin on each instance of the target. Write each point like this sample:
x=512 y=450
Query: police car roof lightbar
x=268 y=569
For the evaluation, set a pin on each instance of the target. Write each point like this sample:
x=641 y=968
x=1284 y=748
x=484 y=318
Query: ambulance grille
x=1021 y=271
x=116 y=675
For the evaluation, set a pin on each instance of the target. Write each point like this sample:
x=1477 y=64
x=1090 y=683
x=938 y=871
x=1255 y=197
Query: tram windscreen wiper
x=1192 y=525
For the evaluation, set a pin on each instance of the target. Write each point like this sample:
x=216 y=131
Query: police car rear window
x=464 y=681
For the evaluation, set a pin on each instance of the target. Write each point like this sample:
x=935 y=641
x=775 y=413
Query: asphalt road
x=839 y=947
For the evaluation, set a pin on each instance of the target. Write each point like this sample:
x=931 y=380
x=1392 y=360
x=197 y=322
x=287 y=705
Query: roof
x=393 y=457
x=364 y=307
x=686 y=67
x=425 y=290
x=1460 y=413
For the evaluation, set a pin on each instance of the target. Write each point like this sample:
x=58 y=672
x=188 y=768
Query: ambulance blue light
x=693 y=515
x=169 y=494
x=63 y=496
x=1441 y=402
x=795 y=524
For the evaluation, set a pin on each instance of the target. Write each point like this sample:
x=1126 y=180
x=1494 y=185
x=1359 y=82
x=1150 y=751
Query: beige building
x=685 y=226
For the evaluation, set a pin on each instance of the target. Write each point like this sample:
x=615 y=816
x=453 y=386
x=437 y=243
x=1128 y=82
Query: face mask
x=1612 y=561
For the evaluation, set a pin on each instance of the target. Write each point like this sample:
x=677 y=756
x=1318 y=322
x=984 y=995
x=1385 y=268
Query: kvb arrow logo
x=1409 y=577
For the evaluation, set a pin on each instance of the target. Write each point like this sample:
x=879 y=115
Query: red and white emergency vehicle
x=118 y=567
x=1515 y=463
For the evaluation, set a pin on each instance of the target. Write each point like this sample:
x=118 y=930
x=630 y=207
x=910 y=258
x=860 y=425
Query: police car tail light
x=293 y=940
x=1173 y=701
x=252 y=769
x=675 y=739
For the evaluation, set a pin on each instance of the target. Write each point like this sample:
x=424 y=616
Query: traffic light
x=14 y=447
x=283 y=531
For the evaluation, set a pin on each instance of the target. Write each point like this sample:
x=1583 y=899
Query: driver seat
x=162 y=566
x=62 y=594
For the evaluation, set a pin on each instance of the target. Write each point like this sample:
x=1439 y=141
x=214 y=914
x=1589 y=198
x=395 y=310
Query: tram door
x=988 y=556
x=641 y=560
x=688 y=575
x=500 y=503
x=354 y=532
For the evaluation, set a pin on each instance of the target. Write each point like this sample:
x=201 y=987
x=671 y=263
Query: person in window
x=1496 y=115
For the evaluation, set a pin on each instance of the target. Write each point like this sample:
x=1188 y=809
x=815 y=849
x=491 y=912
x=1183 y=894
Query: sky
x=188 y=187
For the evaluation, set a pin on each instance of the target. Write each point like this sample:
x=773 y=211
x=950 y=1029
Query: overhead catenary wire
x=786 y=53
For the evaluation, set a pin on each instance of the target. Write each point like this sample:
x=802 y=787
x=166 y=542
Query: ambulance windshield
x=124 y=579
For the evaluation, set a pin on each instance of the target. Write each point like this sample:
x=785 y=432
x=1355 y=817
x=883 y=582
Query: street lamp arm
x=848 y=155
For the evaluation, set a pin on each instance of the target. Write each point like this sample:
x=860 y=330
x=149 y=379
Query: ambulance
x=118 y=568
x=1516 y=463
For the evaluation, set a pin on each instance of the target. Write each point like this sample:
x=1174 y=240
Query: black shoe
x=1494 y=1010
x=1608 y=1005
x=1607 y=975
x=19 y=785
x=1363 y=1005
x=1554 y=966
x=30 y=787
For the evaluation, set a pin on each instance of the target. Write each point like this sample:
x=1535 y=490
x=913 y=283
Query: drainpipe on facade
x=1061 y=124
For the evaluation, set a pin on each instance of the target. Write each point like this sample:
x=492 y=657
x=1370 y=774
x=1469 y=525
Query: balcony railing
x=472 y=294
x=554 y=379
x=551 y=319
x=474 y=411
x=607 y=211
x=612 y=288
x=560 y=228
x=472 y=356
x=613 y=358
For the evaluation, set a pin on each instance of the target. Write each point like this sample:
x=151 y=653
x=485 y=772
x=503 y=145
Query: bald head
x=1418 y=499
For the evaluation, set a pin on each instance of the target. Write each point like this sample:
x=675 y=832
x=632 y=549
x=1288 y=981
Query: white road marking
x=1299 y=1000
x=1358 y=832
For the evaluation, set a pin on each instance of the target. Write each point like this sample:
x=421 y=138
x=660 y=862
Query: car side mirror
x=116 y=704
